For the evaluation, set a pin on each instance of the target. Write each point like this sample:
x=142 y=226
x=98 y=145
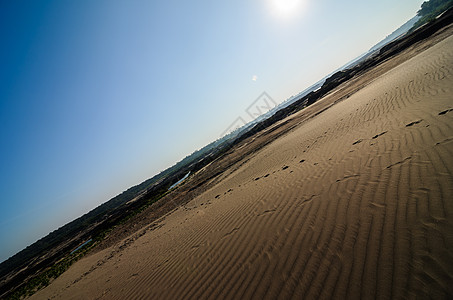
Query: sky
x=98 y=96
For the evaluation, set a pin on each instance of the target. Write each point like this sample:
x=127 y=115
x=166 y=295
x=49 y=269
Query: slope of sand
x=355 y=202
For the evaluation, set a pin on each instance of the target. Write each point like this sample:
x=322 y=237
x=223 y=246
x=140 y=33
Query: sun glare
x=285 y=8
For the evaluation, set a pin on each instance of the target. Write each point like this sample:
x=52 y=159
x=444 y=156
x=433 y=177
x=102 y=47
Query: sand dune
x=355 y=202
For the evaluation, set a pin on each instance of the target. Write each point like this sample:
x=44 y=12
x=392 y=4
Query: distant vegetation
x=50 y=256
x=44 y=278
x=431 y=9
x=40 y=274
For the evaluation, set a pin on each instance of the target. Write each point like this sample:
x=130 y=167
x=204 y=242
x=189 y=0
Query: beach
x=349 y=198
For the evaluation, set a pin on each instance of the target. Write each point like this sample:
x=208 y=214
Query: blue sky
x=97 y=96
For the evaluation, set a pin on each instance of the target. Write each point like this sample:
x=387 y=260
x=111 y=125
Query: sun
x=286 y=8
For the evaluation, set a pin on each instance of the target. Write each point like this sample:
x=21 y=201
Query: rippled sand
x=353 y=202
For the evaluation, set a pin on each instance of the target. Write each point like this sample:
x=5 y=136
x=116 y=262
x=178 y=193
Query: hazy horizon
x=98 y=97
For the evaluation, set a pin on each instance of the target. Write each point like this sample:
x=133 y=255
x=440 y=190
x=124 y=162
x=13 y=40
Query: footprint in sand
x=444 y=141
x=413 y=123
x=445 y=111
x=378 y=135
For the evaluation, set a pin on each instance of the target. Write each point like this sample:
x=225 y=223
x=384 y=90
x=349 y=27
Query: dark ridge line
x=308 y=199
x=347 y=177
x=400 y=162
x=231 y=232
x=266 y=212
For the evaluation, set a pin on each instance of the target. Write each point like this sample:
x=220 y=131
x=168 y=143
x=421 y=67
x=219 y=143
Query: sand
x=353 y=202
